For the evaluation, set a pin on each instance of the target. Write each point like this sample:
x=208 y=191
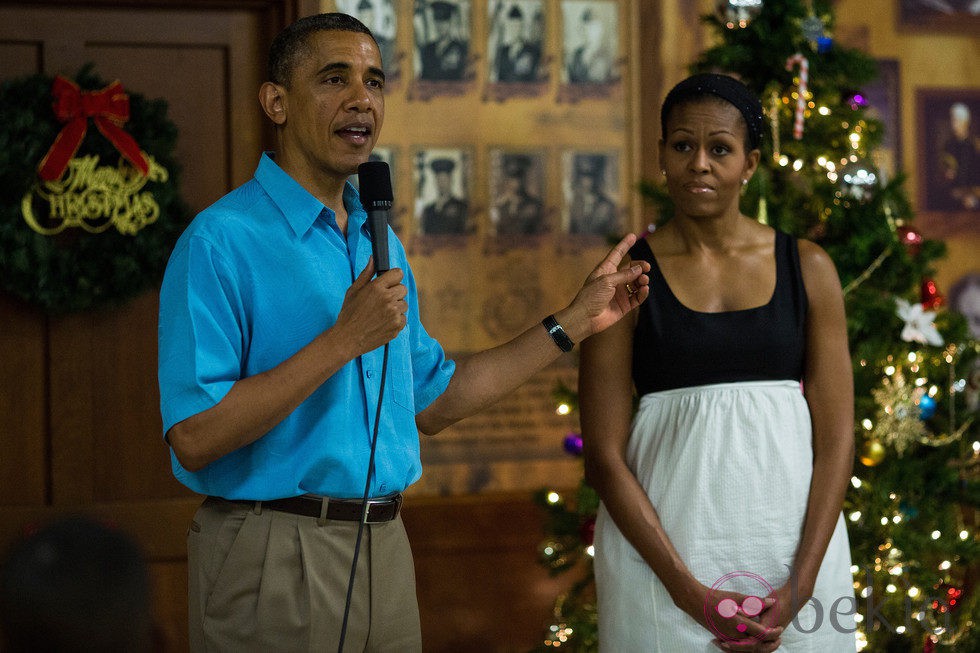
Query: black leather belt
x=380 y=510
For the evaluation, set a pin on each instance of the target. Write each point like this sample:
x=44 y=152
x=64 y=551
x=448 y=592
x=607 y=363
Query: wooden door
x=80 y=427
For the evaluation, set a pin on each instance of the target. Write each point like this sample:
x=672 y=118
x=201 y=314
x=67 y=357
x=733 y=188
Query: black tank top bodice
x=676 y=347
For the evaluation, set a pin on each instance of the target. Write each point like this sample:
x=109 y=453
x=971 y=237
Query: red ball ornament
x=587 y=530
x=910 y=238
x=931 y=297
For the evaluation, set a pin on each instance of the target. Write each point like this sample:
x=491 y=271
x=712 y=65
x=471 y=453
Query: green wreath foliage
x=75 y=270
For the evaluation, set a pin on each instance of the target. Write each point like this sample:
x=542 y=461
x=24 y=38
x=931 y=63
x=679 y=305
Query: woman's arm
x=829 y=390
x=606 y=407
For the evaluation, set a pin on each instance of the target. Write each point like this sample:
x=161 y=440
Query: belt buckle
x=396 y=500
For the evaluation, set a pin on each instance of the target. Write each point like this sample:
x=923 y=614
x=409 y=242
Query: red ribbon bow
x=108 y=108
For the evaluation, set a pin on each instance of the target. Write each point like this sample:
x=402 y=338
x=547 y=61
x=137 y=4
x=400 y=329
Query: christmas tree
x=912 y=507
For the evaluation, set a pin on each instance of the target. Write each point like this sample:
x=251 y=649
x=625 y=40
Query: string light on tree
x=910 y=238
x=858 y=180
x=855 y=100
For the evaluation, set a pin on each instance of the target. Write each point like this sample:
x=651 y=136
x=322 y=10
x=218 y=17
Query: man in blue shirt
x=272 y=326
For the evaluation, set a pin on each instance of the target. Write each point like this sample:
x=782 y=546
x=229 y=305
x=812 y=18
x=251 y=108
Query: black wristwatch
x=557 y=333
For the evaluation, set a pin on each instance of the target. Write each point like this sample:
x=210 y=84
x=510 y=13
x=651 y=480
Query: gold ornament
x=872 y=453
x=898 y=423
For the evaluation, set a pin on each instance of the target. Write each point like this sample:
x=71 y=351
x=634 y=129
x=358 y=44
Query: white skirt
x=727 y=467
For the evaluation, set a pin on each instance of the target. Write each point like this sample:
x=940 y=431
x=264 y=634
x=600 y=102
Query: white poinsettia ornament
x=919 y=325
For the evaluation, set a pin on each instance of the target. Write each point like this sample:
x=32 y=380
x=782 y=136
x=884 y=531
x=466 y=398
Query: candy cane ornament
x=801 y=91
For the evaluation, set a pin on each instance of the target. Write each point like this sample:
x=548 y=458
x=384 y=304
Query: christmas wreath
x=89 y=202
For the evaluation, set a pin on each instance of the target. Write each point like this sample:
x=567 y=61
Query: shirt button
x=370 y=374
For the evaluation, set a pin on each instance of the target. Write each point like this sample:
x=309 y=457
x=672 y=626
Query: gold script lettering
x=94 y=198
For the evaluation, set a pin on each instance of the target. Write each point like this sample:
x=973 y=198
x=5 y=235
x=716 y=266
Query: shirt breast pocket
x=401 y=380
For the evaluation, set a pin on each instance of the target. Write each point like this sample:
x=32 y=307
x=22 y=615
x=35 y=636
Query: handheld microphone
x=374 y=180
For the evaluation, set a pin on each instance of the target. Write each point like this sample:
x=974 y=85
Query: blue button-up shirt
x=253 y=279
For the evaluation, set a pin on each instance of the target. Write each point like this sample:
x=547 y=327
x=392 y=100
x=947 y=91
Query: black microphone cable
x=364 y=505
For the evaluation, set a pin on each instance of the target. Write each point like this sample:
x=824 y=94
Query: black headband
x=727 y=88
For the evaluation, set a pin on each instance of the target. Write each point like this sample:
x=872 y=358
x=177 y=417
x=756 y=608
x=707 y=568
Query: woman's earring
x=745 y=182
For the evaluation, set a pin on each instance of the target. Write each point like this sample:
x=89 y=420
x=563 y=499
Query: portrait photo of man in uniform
x=590 y=183
x=516 y=182
x=442 y=37
x=515 y=41
x=442 y=205
x=591 y=41
x=381 y=18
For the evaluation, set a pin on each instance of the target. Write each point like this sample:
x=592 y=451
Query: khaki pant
x=269 y=581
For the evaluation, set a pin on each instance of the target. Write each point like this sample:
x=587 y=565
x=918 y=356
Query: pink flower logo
x=752 y=586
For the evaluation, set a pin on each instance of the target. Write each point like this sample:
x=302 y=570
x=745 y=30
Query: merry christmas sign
x=89 y=207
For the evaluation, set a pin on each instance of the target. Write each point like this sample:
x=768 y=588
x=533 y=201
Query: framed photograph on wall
x=443 y=34
x=443 y=178
x=590 y=58
x=958 y=15
x=590 y=35
x=515 y=43
x=381 y=18
x=590 y=185
x=516 y=65
x=517 y=209
x=949 y=154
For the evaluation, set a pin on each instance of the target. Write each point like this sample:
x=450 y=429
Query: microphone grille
x=374 y=180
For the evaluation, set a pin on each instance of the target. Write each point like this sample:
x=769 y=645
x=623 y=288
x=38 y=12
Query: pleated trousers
x=269 y=581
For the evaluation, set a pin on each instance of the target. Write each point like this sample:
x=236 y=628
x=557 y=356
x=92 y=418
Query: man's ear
x=272 y=97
